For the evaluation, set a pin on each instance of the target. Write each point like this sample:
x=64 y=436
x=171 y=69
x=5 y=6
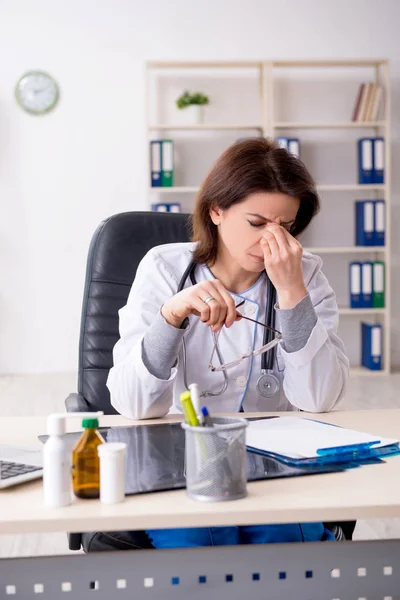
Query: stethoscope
x=268 y=384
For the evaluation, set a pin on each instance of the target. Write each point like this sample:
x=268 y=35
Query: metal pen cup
x=215 y=460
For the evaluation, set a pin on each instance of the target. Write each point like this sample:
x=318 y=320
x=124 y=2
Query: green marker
x=188 y=410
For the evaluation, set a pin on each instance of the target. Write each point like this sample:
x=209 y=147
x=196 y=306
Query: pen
x=188 y=410
x=205 y=419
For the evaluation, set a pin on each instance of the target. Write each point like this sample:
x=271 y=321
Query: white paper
x=295 y=437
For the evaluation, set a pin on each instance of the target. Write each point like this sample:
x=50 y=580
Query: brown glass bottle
x=86 y=463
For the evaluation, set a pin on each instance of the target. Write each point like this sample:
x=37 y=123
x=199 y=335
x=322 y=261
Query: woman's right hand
x=217 y=312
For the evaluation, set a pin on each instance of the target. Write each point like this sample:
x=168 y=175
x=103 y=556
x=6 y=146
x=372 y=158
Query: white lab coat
x=312 y=378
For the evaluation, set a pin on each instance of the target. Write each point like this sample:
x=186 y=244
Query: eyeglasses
x=233 y=363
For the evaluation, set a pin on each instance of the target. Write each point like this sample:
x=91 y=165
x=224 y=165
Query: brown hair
x=246 y=167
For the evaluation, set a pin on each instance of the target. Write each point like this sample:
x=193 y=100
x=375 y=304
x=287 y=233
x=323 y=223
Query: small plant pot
x=192 y=115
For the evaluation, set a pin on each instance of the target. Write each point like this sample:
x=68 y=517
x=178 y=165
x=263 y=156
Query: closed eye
x=287 y=226
x=256 y=224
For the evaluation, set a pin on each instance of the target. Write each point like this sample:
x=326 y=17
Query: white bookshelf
x=277 y=125
x=351 y=187
x=204 y=127
x=268 y=126
x=351 y=125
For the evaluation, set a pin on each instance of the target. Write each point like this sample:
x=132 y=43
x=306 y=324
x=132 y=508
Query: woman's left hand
x=282 y=259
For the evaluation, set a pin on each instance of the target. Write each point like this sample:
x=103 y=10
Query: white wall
x=62 y=173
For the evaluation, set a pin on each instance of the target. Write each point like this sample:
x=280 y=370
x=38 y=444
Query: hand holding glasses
x=271 y=344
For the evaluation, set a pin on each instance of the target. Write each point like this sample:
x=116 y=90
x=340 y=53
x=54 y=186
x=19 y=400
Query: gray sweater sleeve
x=162 y=342
x=297 y=324
x=161 y=345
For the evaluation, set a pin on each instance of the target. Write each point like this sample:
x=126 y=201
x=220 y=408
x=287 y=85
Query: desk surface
x=368 y=492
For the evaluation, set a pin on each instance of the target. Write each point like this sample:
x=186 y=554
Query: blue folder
x=379 y=160
x=366 y=285
x=155 y=163
x=365 y=160
x=355 y=284
x=364 y=222
x=379 y=222
x=371 y=346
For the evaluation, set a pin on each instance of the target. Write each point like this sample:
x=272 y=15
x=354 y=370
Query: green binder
x=167 y=163
x=378 y=284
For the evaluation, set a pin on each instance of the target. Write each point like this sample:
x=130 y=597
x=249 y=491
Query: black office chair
x=117 y=247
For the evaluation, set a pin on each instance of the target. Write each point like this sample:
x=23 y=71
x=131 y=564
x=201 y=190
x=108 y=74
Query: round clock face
x=37 y=92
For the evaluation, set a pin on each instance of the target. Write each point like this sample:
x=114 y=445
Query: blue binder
x=155 y=163
x=174 y=207
x=294 y=146
x=371 y=348
x=159 y=207
x=365 y=160
x=366 y=285
x=379 y=160
x=355 y=284
x=283 y=142
x=379 y=222
x=364 y=222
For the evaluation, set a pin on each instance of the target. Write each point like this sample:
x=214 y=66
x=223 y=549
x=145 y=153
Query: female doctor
x=253 y=204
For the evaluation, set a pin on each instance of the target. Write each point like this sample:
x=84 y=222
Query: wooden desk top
x=368 y=492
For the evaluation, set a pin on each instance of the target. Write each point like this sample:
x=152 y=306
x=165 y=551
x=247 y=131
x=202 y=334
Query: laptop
x=18 y=465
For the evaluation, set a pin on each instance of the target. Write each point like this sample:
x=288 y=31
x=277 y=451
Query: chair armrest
x=76 y=403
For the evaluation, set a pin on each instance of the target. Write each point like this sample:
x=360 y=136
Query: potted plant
x=193 y=104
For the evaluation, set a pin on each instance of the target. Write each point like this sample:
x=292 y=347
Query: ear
x=216 y=215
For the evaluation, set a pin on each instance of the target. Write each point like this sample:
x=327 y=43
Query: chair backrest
x=117 y=247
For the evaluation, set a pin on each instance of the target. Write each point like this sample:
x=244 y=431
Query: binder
x=307 y=442
x=365 y=161
x=379 y=160
x=371 y=339
x=294 y=146
x=355 y=284
x=155 y=163
x=283 y=142
x=167 y=163
x=364 y=223
x=366 y=285
x=159 y=207
x=173 y=207
x=379 y=222
x=378 y=284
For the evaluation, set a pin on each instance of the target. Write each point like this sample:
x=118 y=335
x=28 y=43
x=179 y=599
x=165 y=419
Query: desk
x=368 y=492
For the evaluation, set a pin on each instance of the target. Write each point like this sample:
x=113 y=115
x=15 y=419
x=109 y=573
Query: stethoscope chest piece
x=268 y=384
